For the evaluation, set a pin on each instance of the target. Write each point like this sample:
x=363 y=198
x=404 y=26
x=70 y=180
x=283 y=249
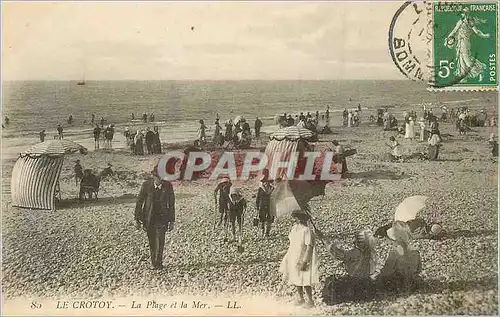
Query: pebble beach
x=92 y=249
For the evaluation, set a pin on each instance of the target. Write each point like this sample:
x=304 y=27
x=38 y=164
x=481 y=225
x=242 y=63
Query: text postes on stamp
x=463 y=52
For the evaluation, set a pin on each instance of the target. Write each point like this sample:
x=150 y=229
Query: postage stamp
x=463 y=51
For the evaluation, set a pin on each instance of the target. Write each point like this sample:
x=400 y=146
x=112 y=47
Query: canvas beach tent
x=36 y=173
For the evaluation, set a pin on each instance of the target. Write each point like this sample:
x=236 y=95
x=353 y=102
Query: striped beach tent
x=36 y=173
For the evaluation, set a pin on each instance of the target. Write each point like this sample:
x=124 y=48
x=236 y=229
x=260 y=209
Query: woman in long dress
x=300 y=264
x=359 y=262
x=434 y=144
x=422 y=129
x=410 y=129
x=466 y=65
x=139 y=146
x=403 y=264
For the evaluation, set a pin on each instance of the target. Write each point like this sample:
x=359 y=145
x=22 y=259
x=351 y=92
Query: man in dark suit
x=155 y=212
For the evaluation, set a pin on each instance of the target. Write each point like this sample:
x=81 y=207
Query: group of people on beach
x=145 y=117
x=237 y=132
x=144 y=141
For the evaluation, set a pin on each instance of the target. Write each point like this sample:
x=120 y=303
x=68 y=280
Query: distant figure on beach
x=150 y=139
x=202 y=135
x=359 y=107
x=317 y=116
x=92 y=120
x=108 y=171
x=349 y=119
x=6 y=121
x=217 y=128
x=70 y=119
x=290 y=120
x=155 y=213
x=493 y=144
x=156 y=141
x=245 y=128
x=217 y=116
x=97 y=136
x=228 y=135
x=257 y=127
x=133 y=116
x=42 y=136
x=410 y=129
x=145 y=117
x=78 y=172
x=60 y=131
x=138 y=141
x=152 y=117
x=339 y=158
x=108 y=135
x=396 y=154
x=102 y=122
x=434 y=144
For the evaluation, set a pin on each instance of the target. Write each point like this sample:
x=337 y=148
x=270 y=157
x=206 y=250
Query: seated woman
x=359 y=263
x=396 y=154
x=89 y=185
x=403 y=264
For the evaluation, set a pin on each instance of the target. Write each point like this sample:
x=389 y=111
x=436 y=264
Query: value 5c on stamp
x=463 y=50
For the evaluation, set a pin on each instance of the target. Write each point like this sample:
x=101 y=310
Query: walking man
x=155 y=212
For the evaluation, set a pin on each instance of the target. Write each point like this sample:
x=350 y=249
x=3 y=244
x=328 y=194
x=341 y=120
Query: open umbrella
x=290 y=195
x=408 y=208
x=237 y=119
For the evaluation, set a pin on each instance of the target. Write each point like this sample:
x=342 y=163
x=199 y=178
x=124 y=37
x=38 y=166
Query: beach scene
x=408 y=225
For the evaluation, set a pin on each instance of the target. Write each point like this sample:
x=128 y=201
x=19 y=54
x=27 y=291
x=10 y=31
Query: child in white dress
x=300 y=264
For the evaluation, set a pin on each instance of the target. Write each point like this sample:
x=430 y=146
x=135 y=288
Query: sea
x=178 y=105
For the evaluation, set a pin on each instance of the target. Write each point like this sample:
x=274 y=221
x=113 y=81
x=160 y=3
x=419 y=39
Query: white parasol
x=237 y=119
x=408 y=208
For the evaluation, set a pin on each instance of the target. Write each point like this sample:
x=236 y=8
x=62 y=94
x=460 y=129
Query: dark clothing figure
x=155 y=212
x=223 y=189
x=60 y=131
x=89 y=184
x=229 y=132
x=246 y=129
x=236 y=211
x=263 y=204
x=7 y=120
x=139 y=146
x=70 y=119
x=107 y=172
x=156 y=143
x=97 y=135
x=494 y=148
x=257 y=127
x=92 y=120
x=78 y=172
x=145 y=117
x=42 y=136
x=102 y=121
x=108 y=135
x=290 y=121
x=152 y=117
x=150 y=139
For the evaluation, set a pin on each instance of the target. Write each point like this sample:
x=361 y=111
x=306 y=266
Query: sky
x=230 y=40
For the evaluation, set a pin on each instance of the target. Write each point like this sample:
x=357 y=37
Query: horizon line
x=193 y=80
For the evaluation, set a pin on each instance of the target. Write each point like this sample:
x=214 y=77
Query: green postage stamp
x=463 y=49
